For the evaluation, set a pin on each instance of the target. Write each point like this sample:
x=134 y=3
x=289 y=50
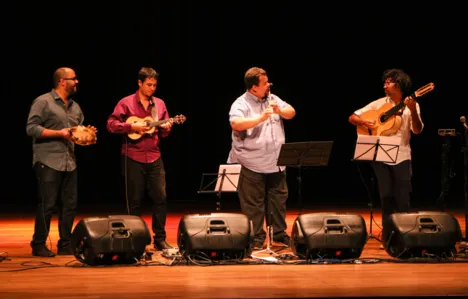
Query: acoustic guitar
x=387 y=120
x=149 y=121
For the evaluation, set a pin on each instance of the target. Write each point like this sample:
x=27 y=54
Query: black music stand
x=226 y=181
x=304 y=154
x=376 y=149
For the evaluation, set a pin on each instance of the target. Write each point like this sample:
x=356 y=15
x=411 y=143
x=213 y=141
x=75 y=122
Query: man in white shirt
x=394 y=179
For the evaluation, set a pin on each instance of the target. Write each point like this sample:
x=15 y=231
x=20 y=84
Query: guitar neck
x=398 y=106
x=159 y=122
x=395 y=109
x=415 y=95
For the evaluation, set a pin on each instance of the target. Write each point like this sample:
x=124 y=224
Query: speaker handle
x=335 y=225
x=427 y=225
x=429 y=228
x=217 y=226
x=335 y=228
x=119 y=230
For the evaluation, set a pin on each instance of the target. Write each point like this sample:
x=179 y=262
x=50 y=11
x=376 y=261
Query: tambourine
x=82 y=135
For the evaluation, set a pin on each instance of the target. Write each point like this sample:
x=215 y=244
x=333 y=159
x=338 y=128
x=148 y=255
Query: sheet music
x=230 y=179
x=387 y=149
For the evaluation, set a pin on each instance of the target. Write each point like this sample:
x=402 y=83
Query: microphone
x=463 y=121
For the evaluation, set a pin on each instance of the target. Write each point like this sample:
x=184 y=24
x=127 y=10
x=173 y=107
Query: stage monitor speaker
x=328 y=235
x=407 y=235
x=216 y=236
x=117 y=239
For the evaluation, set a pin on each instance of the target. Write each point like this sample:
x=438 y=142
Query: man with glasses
x=394 y=179
x=50 y=118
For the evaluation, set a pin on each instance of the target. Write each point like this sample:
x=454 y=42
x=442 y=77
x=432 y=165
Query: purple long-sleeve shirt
x=146 y=148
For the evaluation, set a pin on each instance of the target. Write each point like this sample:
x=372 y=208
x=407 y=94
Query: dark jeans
x=55 y=188
x=151 y=177
x=394 y=183
x=264 y=195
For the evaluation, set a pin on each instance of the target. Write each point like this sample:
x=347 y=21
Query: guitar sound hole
x=383 y=118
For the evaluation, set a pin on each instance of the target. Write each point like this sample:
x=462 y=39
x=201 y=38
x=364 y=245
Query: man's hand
x=167 y=125
x=266 y=114
x=140 y=128
x=65 y=133
x=410 y=103
x=274 y=105
x=368 y=123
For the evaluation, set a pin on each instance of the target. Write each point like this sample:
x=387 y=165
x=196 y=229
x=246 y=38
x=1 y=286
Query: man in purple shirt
x=256 y=119
x=142 y=165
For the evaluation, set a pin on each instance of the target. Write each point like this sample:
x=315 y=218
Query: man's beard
x=71 y=91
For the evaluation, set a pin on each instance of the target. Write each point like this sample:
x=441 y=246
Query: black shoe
x=257 y=245
x=41 y=250
x=67 y=250
x=284 y=239
x=160 y=245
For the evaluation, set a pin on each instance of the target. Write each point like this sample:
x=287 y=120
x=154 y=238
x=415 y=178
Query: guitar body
x=145 y=121
x=382 y=128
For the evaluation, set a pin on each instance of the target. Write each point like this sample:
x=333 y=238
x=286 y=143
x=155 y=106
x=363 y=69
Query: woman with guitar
x=142 y=165
x=396 y=114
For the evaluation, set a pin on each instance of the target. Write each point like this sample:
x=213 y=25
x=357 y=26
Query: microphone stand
x=270 y=214
x=464 y=242
x=269 y=224
x=465 y=160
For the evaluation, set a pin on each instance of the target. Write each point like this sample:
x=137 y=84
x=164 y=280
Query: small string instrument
x=149 y=122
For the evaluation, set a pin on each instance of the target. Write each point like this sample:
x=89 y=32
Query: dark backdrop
x=325 y=60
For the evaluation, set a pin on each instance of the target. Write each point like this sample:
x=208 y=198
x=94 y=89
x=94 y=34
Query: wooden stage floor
x=374 y=274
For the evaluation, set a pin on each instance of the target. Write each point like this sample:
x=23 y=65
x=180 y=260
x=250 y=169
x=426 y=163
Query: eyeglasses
x=73 y=79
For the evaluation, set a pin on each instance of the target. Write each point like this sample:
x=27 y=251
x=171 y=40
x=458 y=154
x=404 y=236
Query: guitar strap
x=154 y=111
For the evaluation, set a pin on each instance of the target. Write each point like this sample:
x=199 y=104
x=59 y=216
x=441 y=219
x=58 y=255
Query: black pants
x=264 y=196
x=55 y=188
x=394 y=183
x=150 y=177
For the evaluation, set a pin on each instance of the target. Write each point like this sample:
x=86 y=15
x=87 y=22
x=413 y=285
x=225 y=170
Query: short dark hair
x=252 y=76
x=399 y=77
x=59 y=74
x=147 y=72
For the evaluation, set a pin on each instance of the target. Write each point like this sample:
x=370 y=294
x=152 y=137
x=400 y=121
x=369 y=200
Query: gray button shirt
x=48 y=111
x=257 y=148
